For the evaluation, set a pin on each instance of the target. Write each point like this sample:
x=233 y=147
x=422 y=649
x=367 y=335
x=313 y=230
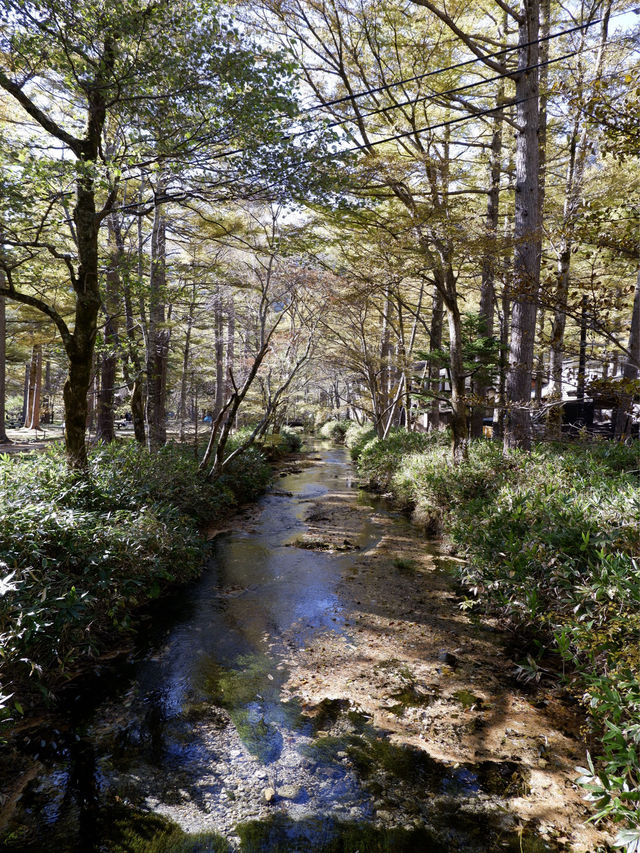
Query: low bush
x=334 y=431
x=357 y=436
x=379 y=459
x=81 y=552
x=553 y=540
x=292 y=440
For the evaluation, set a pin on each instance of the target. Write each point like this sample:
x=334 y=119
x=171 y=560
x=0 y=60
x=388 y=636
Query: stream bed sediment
x=318 y=689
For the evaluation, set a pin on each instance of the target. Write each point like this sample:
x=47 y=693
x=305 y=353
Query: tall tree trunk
x=182 y=407
x=540 y=377
x=48 y=391
x=219 y=354
x=4 y=438
x=25 y=393
x=385 y=358
x=582 y=356
x=527 y=237
x=105 y=430
x=579 y=143
x=631 y=368
x=435 y=343
x=231 y=338
x=80 y=347
x=91 y=400
x=35 y=389
x=487 y=288
x=459 y=418
x=131 y=362
x=157 y=347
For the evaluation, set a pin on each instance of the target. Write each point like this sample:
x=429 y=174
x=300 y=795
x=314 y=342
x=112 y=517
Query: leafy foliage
x=357 y=437
x=335 y=431
x=80 y=552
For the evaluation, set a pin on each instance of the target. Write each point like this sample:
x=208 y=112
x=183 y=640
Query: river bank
x=319 y=689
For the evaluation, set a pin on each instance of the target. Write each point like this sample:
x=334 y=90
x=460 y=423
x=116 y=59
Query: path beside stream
x=318 y=689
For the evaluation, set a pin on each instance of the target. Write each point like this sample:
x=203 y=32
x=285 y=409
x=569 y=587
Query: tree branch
x=75 y=144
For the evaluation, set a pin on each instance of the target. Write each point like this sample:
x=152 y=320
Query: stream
x=197 y=745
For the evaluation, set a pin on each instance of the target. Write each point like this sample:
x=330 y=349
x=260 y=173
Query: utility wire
x=351 y=98
x=465 y=63
x=455 y=91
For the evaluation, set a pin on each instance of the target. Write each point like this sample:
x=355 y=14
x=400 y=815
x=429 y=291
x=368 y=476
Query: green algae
x=467 y=699
x=280 y=834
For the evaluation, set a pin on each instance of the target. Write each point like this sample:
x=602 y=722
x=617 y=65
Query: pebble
x=268 y=795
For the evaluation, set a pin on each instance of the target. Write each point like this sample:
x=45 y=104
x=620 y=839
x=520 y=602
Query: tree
x=75 y=69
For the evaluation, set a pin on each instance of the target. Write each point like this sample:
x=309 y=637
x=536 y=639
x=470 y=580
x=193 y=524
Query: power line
x=446 y=92
x=463 y=64
x=386 y=87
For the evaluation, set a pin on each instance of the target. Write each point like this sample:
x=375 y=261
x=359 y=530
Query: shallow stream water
x=194 y=747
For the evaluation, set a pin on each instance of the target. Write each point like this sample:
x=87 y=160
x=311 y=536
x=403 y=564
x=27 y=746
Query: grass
x=80 y=553
x=553 y=543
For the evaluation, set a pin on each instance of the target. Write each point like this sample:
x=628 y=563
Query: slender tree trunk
x=35 y=389
x=435 y=343
x=459 y=418
x=487 y=288
x=631 y=368
x=385 y=358
x=540 y=371
x=80 y=348
x=48 y=391
x=579 y=142
x=527 y=238
x=25 y=393
x=219 y=355
x=157 y=349
x=582 y=355
x=4 y=438
x=182 y=408
x=231 y=339
x=505 y=309
x=105 y=430
x=135 y=382
x=91 y=400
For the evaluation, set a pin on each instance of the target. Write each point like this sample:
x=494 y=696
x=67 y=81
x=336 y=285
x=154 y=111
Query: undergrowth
x=81 y=552
x=553 y=541
x=334 y=431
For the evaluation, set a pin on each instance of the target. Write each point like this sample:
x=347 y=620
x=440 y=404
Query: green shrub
x=292 y=440
x=553 y=539
x=357 y=436
x=334 y=431
x=80 y=552
x=379 y=459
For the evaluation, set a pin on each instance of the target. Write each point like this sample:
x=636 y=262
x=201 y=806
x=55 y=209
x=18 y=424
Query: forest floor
x=434 y=678
x=25 y=440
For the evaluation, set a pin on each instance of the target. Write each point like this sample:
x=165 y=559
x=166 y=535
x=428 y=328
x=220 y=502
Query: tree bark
x=135 y=382
x=105 y=430
x=25 y=393
x=487 y=288
x=527 y=238
x=578 y=149
x=182 y=408
x=157 y=347
x=631 y=368
x=459 y=418
x=4 y=438
x=35 y=389
x=219 y=354
x=435 y=343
